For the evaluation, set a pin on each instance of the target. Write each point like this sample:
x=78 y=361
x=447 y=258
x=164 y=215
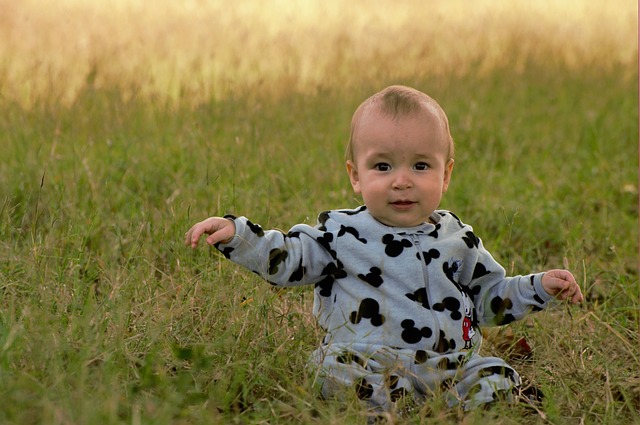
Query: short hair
x=400 y=101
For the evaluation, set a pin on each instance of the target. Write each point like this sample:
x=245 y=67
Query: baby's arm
x=219 y=230
x=301 y=256
x=562 y=284
x=500 y=299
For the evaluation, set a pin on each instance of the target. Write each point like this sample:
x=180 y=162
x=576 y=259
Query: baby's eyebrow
x=424 y=155
x=379 y=155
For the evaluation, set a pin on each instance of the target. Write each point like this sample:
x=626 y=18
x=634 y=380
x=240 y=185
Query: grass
x=106 y=318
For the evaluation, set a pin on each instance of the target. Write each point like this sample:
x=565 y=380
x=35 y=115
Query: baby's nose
x=401 y=181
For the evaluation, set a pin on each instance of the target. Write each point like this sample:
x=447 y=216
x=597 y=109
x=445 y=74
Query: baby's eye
x=421 y=166
x=382 y=166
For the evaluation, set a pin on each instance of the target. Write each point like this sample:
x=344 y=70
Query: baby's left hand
x=563 y=285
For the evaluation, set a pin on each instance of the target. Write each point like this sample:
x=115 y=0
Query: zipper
x=425 y=277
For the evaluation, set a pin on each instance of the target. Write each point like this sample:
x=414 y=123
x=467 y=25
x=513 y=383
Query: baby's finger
x=572 y=293
x=560 y=285
x=193 y=236
x=565 y=294
x=577 y=295
x=212 y=239
x=187 y=237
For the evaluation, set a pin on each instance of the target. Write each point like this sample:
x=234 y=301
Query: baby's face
x=400 y=167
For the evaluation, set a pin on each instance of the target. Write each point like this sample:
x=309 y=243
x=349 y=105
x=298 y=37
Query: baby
x=401 y=287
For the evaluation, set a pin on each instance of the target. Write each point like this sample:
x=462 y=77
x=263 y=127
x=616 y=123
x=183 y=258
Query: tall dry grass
x=189 y=51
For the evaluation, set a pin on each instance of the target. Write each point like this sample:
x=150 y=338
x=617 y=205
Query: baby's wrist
x=232 y=226
x=539 y=287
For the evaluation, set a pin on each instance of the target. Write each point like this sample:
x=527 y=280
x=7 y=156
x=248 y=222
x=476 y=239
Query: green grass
x=106 y=318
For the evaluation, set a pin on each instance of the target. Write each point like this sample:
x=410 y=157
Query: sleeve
x=500 y=299
x=299 y=257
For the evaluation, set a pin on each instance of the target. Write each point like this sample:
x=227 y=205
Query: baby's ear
x=448 y=170
x=354 y=177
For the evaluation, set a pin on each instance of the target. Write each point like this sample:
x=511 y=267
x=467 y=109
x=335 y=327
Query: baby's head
x=400 y=155
x=398 y=102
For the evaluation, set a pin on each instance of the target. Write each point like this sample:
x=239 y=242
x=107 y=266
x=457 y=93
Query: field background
x=123 y=122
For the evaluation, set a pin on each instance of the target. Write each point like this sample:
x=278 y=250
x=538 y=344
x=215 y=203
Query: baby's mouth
x=402 y=203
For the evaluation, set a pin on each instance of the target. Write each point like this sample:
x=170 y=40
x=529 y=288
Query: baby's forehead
x=435 y=129
x=406 y=107
x=422 y=112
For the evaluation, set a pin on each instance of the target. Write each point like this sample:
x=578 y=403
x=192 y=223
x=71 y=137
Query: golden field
x=193 y=50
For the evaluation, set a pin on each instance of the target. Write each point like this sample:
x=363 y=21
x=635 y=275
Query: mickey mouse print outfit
x=396 y=303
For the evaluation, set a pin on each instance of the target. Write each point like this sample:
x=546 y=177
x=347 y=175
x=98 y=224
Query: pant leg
x=482 y=381
x=465 y=379
x=378 y=379
x=381 y=377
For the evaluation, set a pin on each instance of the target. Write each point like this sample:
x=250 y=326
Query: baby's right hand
x=219 y=230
